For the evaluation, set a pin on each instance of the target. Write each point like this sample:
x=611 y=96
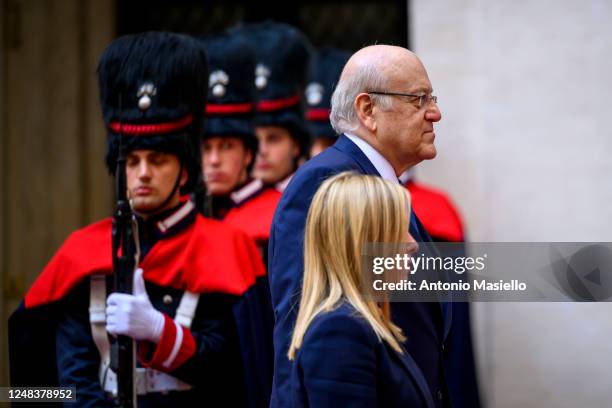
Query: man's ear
x=296 y=148
x=184 y=177
x=365 y=108
x=248 y=157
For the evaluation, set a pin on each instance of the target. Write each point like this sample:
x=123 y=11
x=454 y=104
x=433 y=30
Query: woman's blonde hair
x=347 y=211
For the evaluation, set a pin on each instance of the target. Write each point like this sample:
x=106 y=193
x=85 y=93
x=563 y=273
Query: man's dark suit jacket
x=427 y=326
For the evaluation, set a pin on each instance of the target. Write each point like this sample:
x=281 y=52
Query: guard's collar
x=176 y=216
x=167 y=221
x=247 y=191
x=282 y=185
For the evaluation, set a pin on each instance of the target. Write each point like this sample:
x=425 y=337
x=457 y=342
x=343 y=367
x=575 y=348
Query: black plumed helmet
x=153 y=91
x=231 y=88
x=327 y=69
x=283 y=56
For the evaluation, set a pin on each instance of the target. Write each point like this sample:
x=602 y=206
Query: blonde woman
x=345 y=350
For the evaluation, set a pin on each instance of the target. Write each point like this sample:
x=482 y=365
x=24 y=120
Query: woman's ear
x=365 y=111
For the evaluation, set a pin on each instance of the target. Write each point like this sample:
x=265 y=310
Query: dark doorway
x=343 y=24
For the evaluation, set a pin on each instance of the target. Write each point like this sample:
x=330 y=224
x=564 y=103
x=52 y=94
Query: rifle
x=125 y=259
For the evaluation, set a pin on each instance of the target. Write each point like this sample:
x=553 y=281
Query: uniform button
x=440 y=395
x=443 y=347
x=167 y=299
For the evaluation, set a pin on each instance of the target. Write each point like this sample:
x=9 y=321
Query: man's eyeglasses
x=423 y=99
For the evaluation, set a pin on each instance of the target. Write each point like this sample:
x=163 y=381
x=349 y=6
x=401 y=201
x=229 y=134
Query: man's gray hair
x=367 y=77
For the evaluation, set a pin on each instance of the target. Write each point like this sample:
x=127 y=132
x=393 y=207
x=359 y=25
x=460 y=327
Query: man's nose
x=433 y=113
x=262 y=148
x=144 y=170
x=214 y=157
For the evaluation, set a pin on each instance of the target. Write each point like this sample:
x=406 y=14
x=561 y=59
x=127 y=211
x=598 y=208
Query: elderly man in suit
x=384 y=109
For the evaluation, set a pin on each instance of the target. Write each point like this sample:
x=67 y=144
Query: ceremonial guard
x=193 y=313
x=324 y=77
x=229 y=145
x=435 y=210
x=283 y=56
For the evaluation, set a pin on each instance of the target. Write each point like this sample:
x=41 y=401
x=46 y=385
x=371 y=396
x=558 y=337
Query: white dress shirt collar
x=381 y=164
x=407 y=175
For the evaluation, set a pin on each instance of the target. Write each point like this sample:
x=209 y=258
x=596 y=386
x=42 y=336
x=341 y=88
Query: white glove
x=133 y=315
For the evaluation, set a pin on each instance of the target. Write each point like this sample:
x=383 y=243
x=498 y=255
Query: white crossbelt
x=147 y=379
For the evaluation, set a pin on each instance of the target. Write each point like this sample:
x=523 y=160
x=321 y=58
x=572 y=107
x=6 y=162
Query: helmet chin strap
x=160 y=207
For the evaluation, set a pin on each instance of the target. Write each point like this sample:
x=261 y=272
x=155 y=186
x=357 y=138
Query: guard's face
x=406 y=132
x=225 y=161
x=277 y=153
x=151 y=176
x=319 y=144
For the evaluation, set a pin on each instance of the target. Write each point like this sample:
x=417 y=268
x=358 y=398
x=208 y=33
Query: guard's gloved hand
x=133 y=315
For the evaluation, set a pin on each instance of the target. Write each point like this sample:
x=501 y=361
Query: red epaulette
x=207 y=256
x=437 y=213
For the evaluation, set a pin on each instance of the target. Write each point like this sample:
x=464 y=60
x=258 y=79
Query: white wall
x=525 y=89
